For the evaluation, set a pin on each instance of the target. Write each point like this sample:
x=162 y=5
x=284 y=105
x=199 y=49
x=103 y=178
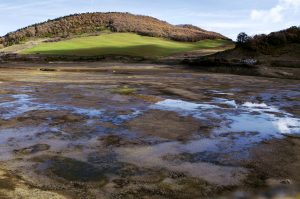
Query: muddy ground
x=95 y=130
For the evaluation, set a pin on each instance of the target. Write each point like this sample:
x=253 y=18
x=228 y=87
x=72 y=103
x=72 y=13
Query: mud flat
x=94 y=130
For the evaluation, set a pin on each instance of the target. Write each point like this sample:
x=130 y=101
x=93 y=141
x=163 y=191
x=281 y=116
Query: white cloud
x=277 y=13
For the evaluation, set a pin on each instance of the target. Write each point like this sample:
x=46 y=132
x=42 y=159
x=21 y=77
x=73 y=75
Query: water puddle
x=180 y=105
x=236 y=128
x=157 y=156
x=247 y=117
x=233 y=128
x=24 y=103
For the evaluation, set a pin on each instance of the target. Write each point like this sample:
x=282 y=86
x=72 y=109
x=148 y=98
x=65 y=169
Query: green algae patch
x=125 y=90
x=73 y=170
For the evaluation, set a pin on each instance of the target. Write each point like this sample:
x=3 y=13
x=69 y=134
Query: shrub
x=116 y=22
x=277 y=39
x=243 y=40
x=265 y=43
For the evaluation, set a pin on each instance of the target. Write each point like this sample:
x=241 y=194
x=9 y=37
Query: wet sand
x=94 y=130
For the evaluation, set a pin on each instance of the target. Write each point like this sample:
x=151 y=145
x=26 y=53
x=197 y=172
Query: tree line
x=266 y=43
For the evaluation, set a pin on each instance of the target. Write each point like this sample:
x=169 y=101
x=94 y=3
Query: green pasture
x=121 y=44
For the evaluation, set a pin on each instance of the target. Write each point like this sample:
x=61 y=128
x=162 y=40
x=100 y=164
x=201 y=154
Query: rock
x=32 y=149
x=286 y=181
x=249 y=61
x=153 y=123
x=48 y=69
x=277 y=182
x=111 y=140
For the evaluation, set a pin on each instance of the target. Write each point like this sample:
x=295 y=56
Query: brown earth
x=60 y=148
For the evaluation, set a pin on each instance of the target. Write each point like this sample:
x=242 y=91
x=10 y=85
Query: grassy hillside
x=116 y=22
x=121 y=44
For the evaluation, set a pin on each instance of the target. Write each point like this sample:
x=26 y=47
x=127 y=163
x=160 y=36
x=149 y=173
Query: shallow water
x=88 y=126
x=235 y=128
x=246 y=117
x=243 y=126
x=24 y=103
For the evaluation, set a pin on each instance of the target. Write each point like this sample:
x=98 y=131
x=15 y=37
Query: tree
x=243 y=39
x=277 y=39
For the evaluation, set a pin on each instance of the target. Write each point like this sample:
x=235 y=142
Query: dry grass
x=116 y=22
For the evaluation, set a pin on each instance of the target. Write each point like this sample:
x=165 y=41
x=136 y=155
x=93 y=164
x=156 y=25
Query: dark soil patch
x=165 y=124
x=32 y=149
x=72 y=170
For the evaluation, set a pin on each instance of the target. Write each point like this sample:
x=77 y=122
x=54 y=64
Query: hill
x=276 y=55
x=283 y=45
x=280 y=45
x=78 y=24
x=270 y=44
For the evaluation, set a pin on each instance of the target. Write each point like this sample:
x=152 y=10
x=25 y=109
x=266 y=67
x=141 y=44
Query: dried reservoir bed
x=109 y=130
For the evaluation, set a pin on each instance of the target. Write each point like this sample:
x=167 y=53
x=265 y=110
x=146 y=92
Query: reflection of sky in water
x=261 y=120
x=237 y=126
x=248 y=117
x=242 y=125
x=23 y=103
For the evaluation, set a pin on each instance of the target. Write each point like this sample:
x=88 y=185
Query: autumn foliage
x=266 y=43
x=116 y=22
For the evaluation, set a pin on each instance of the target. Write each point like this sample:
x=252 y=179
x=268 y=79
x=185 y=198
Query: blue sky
x=228 y=17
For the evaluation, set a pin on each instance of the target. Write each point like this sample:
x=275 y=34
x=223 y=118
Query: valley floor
x=110 y=130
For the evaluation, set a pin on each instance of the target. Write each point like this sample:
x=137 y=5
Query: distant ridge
x=114 y=21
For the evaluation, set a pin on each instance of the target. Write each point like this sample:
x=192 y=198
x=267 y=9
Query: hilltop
x=78 y=24
x=276 y=54
x=281 y=45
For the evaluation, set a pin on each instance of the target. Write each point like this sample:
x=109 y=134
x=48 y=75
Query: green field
x=121 y=44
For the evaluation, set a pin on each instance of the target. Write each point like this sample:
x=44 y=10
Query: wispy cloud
x=24 y=5
x=277 y=13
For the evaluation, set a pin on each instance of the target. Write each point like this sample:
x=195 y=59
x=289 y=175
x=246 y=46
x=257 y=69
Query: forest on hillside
x=115 y=22
x=267 y=43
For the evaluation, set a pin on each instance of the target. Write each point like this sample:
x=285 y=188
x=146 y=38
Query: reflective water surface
x=109 y=135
